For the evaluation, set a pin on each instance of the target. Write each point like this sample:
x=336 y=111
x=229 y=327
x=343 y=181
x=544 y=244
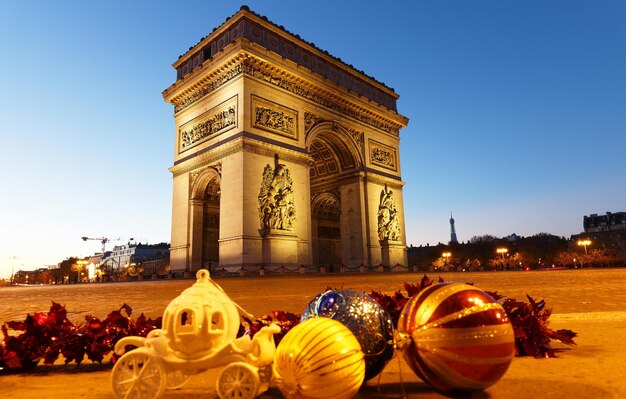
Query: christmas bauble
x=459 y=338
x=370 y=323
x=319 y=358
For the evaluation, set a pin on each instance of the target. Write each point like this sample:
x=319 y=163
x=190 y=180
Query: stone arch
x=205 y=209
x=202 y=180
x=327 y=206
x=341 y=140
x=336 y=207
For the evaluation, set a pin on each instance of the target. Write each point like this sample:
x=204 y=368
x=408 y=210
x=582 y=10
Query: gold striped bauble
x=319 y=358
x=460 y=339
x=370 y=323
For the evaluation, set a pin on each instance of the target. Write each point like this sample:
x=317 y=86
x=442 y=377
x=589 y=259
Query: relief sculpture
x=276 y=201
x=388 y=224
x=276 y=120
x=383 y=157
x=215 y=123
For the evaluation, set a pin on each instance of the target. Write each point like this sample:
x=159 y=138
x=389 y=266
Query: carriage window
x=186 y=319
x=217 y=323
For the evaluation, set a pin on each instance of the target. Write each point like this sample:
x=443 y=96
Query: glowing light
x=91 y=271
x=584 y=243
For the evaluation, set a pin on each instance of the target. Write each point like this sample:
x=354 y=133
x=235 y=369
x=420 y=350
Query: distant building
x=125 y=255
x=595 y=223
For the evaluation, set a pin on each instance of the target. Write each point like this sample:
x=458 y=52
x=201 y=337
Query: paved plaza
x=590 y=302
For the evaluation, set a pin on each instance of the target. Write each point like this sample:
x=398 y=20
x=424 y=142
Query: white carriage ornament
x=199 y=333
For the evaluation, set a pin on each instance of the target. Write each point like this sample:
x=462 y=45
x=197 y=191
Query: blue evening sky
x=517 y=112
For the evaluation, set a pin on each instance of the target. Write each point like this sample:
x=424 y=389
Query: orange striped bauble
x=319 y=358
x=460 y=339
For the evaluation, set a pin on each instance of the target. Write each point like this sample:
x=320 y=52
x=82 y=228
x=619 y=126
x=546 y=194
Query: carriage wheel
x=238 y=381
x=137 y=375
x=176 y=379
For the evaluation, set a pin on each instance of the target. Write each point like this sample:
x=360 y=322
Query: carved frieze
x=274 y=118
x=258 y=69
x=255 y=68
x=215 y=121
x=277 y=210
x=383 y=155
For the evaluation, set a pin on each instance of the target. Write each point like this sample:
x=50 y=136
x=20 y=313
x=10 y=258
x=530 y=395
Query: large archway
x=335 y=176
x=211 y=225
x=205 y=219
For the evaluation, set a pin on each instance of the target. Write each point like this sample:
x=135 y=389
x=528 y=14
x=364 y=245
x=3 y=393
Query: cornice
x=239 y=143
x=244 y=63
x=382 y=178
x=206 y=158
x=207 y=78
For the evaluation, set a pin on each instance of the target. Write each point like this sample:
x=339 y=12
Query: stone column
x=179 y=245
x=353 y=240
x=195 y=234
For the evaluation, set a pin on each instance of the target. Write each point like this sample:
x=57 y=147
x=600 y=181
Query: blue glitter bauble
x=370 y=323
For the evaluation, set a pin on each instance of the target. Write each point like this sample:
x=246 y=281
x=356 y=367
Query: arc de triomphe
x=284 y=155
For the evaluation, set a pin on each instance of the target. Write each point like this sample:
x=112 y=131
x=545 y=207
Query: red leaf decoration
x=46 y=336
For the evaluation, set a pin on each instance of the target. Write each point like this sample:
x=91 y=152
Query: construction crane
x=103 y=240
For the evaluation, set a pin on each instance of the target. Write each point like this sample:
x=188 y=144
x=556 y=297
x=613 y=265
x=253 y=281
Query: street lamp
x=13 y=259
x=584 y=243
x=446 y=256
x=502 y=251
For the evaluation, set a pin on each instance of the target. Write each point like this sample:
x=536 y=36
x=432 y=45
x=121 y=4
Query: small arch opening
x=217 y=322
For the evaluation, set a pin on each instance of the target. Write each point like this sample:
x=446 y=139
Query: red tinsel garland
x=46 y=336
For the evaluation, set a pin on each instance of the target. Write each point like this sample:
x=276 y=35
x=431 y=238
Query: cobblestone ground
x=591 y=302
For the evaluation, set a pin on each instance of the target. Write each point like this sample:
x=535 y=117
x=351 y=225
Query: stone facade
x=283 y=155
